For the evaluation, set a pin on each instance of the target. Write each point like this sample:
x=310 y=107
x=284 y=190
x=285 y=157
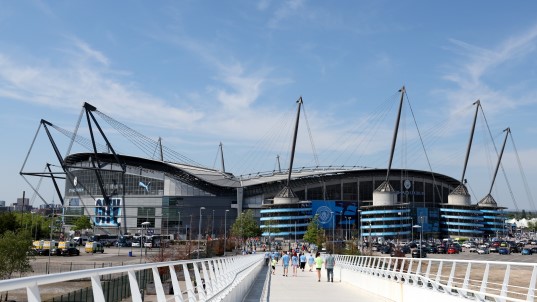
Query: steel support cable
x=436 y=132
x=143 y=142
x=262 y=148
x=497 y=155
x=523 y=175
x=38 y=186
x=135 y=138
x=30 y=149
x=377 y=116
x=34 y=189
x=216 y=157
x=424 y=149
x=82 y=141
x=369 y=135
x=270 y=141
x=75 y=132
x=128 y=133
x=316 y=158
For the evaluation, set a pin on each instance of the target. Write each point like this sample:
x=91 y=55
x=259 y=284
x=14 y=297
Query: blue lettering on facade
x=107 y=215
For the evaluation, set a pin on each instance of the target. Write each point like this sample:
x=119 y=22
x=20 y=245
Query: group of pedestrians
x=298 y=262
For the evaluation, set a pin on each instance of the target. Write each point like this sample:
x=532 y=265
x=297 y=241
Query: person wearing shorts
x=302 y=261
x=311 y=262
x=274 y=262
x=318 y=265
x=294 y=262
x=285 y=263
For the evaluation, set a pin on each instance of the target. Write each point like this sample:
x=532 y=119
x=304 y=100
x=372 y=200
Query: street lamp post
x=348 y=227
x=225 y=231
x=420 y=226
x=212 y=227
x=295 y=235
x=369 y=239
x=146 y=225
x=179 y=225
x=333 y=230
x=411 y=229
x=199 y=232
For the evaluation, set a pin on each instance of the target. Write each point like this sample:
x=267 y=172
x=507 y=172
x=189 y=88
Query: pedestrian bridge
x=247 y=278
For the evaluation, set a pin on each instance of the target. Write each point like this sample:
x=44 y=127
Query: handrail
x=469 y=279
x=217 y=278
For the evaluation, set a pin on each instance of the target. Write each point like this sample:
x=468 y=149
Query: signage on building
x=107 y=214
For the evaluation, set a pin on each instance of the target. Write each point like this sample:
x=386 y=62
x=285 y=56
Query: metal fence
x=44 y=268
x=475 y=280
x=211 y=279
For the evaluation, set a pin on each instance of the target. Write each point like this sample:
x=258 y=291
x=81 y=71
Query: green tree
x=246 y=226
x=314 y=233
x=532 y=226
x=14 y=250
x=8 y=222
x=82 y=223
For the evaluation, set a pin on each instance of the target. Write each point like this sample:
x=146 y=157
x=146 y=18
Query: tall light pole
x=179 y=225
x=146 y=225
x=295 y=235
x=333 y=229
x=412 y=229
x=199 y=232
x=225 y=231
x=212 y=227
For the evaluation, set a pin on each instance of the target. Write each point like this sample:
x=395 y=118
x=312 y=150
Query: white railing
x=465 y=279
x=215 y=279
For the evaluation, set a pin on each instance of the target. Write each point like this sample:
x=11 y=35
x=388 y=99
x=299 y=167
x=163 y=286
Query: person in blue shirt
x=311 y=262
x=294 y=262
x=285 y=263
x=302 y=261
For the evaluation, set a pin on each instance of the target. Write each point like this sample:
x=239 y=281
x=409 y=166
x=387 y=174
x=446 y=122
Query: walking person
x=318 y=265
x=302 y=261
x=294 y=262
x=274 y=262
x=267 y=258
x=311 y=262
x=329 y=264
x=285 y=263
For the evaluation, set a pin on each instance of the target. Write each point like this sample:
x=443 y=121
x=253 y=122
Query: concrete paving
x=305 y=287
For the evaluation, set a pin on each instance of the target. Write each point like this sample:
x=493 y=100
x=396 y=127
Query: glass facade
x=87 y=184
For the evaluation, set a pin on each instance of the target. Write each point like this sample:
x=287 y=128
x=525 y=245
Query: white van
x=80 y=241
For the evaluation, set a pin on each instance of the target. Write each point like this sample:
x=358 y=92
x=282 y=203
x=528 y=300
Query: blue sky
x=197 y=73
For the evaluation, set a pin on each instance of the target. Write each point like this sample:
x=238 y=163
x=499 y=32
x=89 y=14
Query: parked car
x=452 y=250
x=386 y=249
x=433 y=250
x=483 y=250
x=417 y=253
x=441 y=249
x=504 y=251
x=526 y=251
x=70 y=251
x=493 y=249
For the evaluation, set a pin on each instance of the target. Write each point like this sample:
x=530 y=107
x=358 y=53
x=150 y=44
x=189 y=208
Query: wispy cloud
x=472 y=75
x=85 y=76
x=284 y=11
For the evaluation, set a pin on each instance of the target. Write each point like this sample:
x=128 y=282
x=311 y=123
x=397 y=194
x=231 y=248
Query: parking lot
x=465 y=255
x=110 y=254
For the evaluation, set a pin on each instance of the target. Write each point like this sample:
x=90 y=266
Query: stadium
x=122 y=194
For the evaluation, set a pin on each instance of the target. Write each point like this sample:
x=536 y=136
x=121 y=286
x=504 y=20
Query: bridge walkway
x=305 y=287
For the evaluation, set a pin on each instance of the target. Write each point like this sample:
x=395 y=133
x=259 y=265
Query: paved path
x=305 y=287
